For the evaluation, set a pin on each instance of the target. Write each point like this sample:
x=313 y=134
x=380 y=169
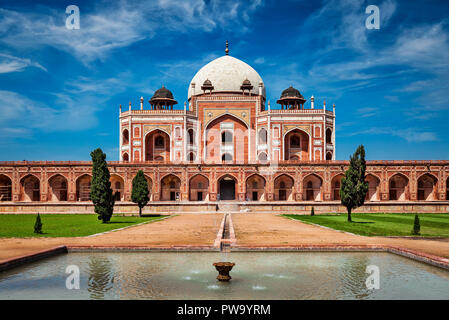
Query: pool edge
x=11 y=263
x=433 y=260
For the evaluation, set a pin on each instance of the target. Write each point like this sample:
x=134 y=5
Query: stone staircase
x=228 y=207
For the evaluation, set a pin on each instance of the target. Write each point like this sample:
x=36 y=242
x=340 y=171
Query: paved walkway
x=181 y=230
x=274 y=230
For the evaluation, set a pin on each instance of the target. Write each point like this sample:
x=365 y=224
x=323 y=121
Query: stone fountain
x=223 y=269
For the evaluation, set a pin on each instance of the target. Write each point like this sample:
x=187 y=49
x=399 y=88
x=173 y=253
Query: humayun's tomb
x=226 y=149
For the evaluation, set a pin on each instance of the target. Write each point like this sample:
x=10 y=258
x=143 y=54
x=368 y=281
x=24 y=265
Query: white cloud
x=117 y=25
x=409 y=134
x=10 y=63
x=67 y=114
x=367 y=112
x=103 y=86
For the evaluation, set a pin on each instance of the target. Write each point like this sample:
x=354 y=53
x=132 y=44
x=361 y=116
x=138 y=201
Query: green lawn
x=382 y=224
x=62 y=225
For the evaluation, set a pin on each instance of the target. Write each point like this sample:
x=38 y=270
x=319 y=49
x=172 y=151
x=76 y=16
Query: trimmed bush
x=38 y=225
x=139 y=194
x=416 y=226
x=100 y=192
x=353 y=185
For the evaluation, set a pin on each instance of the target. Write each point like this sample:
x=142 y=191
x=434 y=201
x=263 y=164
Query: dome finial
x=227 y=47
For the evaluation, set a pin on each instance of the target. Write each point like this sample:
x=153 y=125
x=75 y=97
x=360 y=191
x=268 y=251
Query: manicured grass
x=382 y=224
x=62 y=225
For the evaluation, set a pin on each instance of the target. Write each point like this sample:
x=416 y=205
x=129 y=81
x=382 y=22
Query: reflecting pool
x=256 y=275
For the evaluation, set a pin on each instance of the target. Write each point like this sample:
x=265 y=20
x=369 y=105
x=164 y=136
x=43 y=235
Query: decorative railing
x=152 y=112
x=300 y=111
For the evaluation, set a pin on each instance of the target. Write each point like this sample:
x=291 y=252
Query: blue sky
x=60 y=89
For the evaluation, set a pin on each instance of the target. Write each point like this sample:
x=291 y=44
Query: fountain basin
x=223 y=269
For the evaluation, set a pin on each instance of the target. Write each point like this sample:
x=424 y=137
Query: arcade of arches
x=240 y=183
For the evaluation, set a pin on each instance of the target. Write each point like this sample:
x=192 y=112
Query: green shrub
x=139 y=194
x=100 y=192
x=416 y=226
x=353 y=185
x=38 y=225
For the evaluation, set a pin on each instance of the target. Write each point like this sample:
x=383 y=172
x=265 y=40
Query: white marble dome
x=227 y=75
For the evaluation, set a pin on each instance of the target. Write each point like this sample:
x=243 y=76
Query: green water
x=256 y=275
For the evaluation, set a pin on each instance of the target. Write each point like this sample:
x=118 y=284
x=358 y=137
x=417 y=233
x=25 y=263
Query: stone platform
x=167 y=207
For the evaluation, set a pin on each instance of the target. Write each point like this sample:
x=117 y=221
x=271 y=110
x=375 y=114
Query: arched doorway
x=296 y=145
x=199 y=188
x=329 y=156
x=30 y=188
x=328 y=136
x=191 y=137
x=125 y=137
x=150 y=187
x=373 y=188
x=5 y=188
x=226 y=188
x=427 y=187
x=83 y=188
x=255 y=188
x=117 y=186
x=226 y=140
x=170 y=188
x=336 y=186
x=263 y=136
x=398 y=185
x=157 y=146
x=312 y=188
x=57 y=187
x=447 y=189
x=125 y=157
x=283 y=188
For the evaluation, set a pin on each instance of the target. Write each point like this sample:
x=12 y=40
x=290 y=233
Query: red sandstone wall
x=327 y=171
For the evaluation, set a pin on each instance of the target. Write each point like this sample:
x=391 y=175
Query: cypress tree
x=139 y=194
x=100 y=192
x=38 y=224
x=312 y=212
x=416 y=226
x=353 y=185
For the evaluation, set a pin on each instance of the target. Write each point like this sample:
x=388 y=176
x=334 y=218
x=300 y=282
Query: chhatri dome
x=226 y=74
